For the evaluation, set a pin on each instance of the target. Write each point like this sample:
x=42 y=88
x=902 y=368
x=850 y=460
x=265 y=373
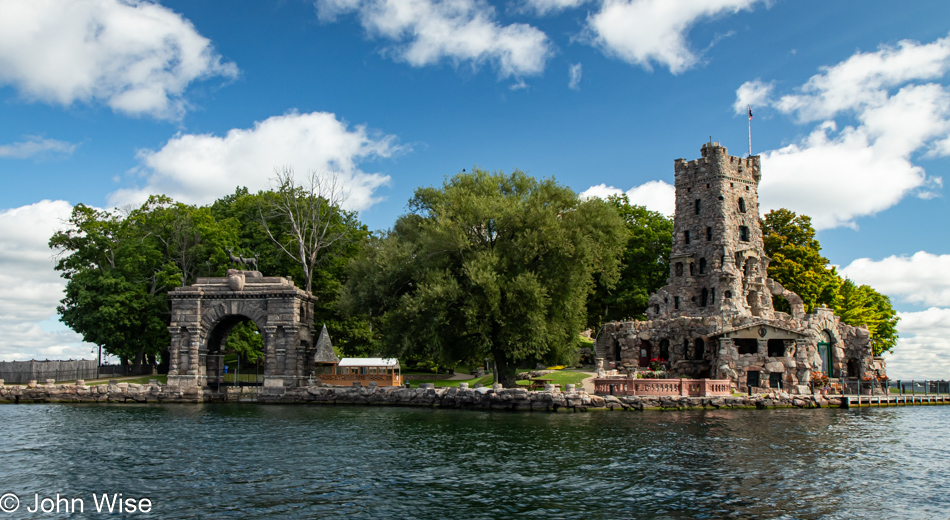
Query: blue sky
x=105 y=101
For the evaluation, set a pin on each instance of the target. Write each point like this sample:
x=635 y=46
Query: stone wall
x=483 y=398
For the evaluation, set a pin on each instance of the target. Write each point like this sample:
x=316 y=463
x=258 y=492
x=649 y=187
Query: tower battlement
x=716 y=162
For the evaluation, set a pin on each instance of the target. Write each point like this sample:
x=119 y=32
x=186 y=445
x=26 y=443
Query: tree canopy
x=797 y=264
x=644 y=268
x=119 y=269
x=489 y=265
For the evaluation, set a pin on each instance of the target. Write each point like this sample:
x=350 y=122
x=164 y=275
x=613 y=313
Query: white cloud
x=923 y=350
x=655 y=195
x=752 y=93
x=35 y=145
x=863 y=80
x=920 y=278
x=137 y=57
x=426 y=31
x=644 y=32
x=869 y=166
x=30 y=289
x=575 y=73
x=200 y=168
x=546 y=7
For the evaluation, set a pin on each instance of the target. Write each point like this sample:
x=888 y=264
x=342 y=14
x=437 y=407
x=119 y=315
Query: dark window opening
x=678 y=269
x=747 y=345
x=776 y=348
x=656 y=309
x=692 y=269
x=852 y=368
x=721 y=197
x=708 y=233
x=699 y=349
x=743 y=233
x=722 y=261
x=727 y=295
x=676 y=302
x=665 y=349
x=698 y=202
x=775 y=380
x=752 y=378
x=712 y=296
x=741 y=205
x=707 y=184
x=702 y=266
x=704 y=297
x=686 y=236
x=689 y=190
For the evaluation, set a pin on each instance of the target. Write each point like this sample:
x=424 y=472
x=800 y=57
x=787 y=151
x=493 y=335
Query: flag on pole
x=750 y=112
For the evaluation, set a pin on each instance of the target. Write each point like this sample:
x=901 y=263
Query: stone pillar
x=193 y=343
x=270 y=350
x=173 y=331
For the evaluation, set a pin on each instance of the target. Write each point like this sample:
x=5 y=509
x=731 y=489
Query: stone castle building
x=715 y=317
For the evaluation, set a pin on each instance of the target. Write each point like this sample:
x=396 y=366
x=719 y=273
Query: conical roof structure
x=325 y=352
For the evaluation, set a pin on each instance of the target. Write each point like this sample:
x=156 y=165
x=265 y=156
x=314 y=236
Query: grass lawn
x=443 y=383
x=563 y=377
x=141 y=380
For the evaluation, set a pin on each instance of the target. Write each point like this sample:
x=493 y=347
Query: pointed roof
x=325 y=352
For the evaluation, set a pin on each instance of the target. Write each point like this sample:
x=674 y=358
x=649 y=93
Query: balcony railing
x=662 y=387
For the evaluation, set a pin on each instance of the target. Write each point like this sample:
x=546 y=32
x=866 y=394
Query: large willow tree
x=488 y=265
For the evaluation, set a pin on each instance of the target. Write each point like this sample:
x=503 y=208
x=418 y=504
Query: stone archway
x=203 y=313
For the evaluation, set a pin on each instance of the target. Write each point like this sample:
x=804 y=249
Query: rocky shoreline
x=482 y=398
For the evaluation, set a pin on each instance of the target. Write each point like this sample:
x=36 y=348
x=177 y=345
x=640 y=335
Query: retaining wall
x=471 y=398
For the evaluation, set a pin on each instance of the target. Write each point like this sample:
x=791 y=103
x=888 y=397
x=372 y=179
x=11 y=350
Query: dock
x=857 y=401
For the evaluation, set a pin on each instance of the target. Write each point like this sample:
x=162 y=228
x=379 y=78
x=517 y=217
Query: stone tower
x=718 y=263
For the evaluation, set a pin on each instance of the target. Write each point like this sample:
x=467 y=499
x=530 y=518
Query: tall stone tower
x=718 y=263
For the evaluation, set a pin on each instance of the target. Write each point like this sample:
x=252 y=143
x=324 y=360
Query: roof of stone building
x=369 y=362
x=325 y=352
x=758 y=323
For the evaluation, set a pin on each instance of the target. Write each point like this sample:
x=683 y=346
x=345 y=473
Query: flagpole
x=750 y=130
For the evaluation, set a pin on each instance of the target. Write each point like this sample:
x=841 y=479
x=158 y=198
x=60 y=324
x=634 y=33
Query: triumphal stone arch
x=203 y=314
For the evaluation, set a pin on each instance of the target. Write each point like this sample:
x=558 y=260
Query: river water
x=253 y=461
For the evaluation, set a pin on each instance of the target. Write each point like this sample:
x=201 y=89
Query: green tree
x=862 y=305
x=329 y=272
x=797 y=263
x=488 y=265
x=645 y=267
x=245 y=340
x=119 y=269
x=109 y=297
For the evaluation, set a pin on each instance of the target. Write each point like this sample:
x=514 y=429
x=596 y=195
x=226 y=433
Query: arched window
x=678 y=268
x=665 y=349
x=727 y=295
x=741 y=205
x=702 y=266
x=704 y=297
x=692 y=269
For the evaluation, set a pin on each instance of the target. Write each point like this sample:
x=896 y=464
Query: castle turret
x=718 y=263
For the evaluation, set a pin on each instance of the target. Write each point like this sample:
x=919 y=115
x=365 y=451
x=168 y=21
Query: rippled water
x=250 y=461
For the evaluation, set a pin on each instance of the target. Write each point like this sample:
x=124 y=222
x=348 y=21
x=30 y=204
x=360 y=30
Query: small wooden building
x=330 y=369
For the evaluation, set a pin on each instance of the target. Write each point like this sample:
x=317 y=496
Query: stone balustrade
x=662 y=387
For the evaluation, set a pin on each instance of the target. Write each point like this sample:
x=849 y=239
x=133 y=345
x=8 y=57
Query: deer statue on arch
x=249 y=262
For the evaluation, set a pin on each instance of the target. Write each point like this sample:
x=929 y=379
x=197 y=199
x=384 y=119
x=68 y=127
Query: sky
x=104 y=102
